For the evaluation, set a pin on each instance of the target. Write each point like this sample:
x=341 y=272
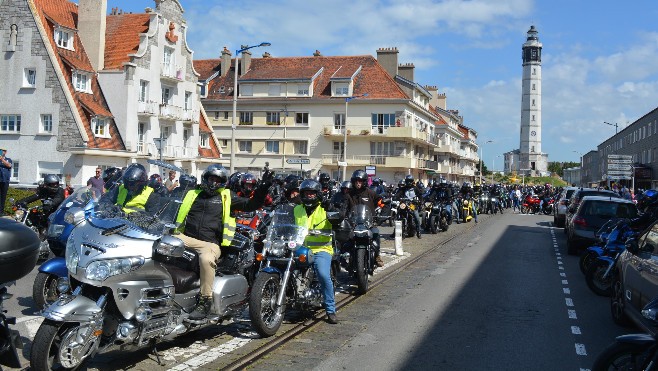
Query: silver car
x=560 y=211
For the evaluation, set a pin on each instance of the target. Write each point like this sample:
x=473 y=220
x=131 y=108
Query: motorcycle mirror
x=632 y=246
x=170 y=246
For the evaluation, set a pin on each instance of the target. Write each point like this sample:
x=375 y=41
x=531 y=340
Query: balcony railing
x=144 y=148
x=171 y=72
x=147 y=108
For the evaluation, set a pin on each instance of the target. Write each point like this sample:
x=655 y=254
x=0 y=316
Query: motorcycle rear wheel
x=46 y=347
x=623 y=356
x=265 y=316
x=44 y=289
x=434 y=221
x=443 y=223
x=586 y=260
x=361 y=271
x=596 y=282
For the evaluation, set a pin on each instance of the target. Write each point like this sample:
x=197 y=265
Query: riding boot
x=202 y=308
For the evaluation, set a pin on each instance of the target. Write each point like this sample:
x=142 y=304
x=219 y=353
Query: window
x=186 y=136
x=339 y=120
x=82 y=82
x=10 y=123
x=534 y=70
x=30 y=78
x=275 y=90
x=302 y=89
x=246 y=118
x=168 y=60
x=533 y=86
x=204 y=140
x=533 y=102
x=225 y=115
x=246 y=90
x=300 y=147
x=143 y=90
x=63 y=39
x=272 y=118
x=14 y=171
x=272 y=146
x=188 y=100
x=46 y=123
x=341 y=90
x=301 y=118
x=338 y=148
x=100 y=127
x=166 y=95
x=533 y=117
x=216 y=115
x=46 y=168
x=244 y=146
x=223 y=143
x=382 y=121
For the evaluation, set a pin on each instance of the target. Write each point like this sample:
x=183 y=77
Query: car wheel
x=617 y=304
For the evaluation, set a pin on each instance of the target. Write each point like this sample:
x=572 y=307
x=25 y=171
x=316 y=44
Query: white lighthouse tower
x=531 y=159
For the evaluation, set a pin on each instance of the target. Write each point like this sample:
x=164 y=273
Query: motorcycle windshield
x=283 y=228
x=361 y=215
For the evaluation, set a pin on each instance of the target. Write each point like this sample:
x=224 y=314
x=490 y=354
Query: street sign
x=342 y=163
x=371 y=170
x=613 y=161
x=298 y=161
x=620 y=167
x=619 y=172
x=621 y=157
x=620 y=177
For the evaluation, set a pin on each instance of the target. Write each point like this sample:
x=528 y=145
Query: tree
x=485 y=171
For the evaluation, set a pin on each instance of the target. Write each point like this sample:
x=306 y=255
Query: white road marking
x=575 y=330
x=563 y=274
x=580 y=349
x=565 y=282
x=212 y=354
x=569 y=302
x=572 y=314
x=566 y=290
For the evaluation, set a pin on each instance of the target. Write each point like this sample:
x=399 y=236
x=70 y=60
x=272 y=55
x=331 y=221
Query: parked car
x=636 y=280
x=560 y=209
x=591 y=214
x=578 y=195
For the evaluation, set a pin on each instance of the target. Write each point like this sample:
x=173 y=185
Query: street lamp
x=481 y=157
x=235 y=99
x=347 y=100
x=615 y=125
x=581 y=166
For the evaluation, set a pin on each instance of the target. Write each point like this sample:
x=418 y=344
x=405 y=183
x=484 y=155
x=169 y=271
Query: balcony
x=171 y=112
x=353 y=130
x=407 y=132
x=170 y=151
x=191 y=115
x=170 y=72
x=147 y=108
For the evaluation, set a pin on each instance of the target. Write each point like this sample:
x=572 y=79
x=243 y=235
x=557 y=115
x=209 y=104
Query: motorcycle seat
x=184 y=280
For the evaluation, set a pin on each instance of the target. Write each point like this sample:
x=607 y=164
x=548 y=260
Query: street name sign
x=620 y=157
x=298 y=161
x=620 y=167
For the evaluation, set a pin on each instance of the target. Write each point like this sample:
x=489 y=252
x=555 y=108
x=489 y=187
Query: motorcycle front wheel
x=56 y=347
x=434 y=224
x=44 y=289
x=361 y=270
x=624 y=356
x=265 y=315
x=600 y=285
x=586 y=260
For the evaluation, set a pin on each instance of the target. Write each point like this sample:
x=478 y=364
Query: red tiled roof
x=206 y=67
x=213 y=151
x=464 y=131
x=372 y=79
x=344 y=72
x=122 y=37
x=65 y=13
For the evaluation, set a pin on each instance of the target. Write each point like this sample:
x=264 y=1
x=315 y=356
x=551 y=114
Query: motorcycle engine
x=308 y=290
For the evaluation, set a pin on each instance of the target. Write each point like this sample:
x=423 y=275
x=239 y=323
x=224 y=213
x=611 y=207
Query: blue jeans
x=322 y=266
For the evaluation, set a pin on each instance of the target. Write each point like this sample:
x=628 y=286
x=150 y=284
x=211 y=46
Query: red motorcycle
x=530 y=204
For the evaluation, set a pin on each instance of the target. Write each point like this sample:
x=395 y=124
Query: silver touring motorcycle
x=133 y=283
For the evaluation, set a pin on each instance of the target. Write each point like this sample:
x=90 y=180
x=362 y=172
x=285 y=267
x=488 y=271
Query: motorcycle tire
x=586 y=260
x=434 y=221
x=265 y=317
x=525 y=209
x=44 y=289
x=44 y=354
x=443 y=223
x=624 y=356
x=410 y=228
x=596 y=282
x=618 y=304
x=361 y=270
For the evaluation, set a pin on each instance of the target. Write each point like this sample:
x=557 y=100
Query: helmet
x=187 y=181
x=292 y=184
x=135 y=178
x=278 y=179
x=155 y=181
x=234 y=181
x=401 y=183
x=214 y=178
x=649 y=199
x=51 y=182
x=111 y=175
x=324 y=179
x=310 y=192
x=345 y=185
x=376 y=182
x=359 y=175
x=409 y=180
x=247 y=183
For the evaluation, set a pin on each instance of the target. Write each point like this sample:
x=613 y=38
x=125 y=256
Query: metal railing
x=144 y=148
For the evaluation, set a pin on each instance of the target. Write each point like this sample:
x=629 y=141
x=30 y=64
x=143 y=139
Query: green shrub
x=16 y=194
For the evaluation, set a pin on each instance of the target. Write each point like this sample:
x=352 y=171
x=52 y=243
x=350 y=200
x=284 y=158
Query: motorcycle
x=482 y=203
x=286 y=277
x=610 y=240
x=361 y=257
x=530 y=204
x=435 y=217
x=133 y=284
x=19 y=248
x=547 y=206
x=495 y=205
x=383 y=213
x=405 y=209
x=467 y=209
x=632 y=351
x=35 y=218
x=600 y=274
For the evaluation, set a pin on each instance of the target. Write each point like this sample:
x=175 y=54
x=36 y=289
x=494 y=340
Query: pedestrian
x=170 y=183
x=517 y=199
x=96 y=183
x=5 y=174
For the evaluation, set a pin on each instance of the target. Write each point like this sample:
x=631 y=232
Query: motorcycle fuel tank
x=229 y=290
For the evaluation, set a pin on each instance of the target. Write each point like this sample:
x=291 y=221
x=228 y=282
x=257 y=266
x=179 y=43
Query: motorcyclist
x=134 y=195
x=410 y=191
x=49 y=192
x=206 y=224
x=360 y=194
x=291 y=189
x=441 y=192
x=468 y=192
x=313 y=215
x=248 y=183
x=155 y=182
x=185 y=183
x=340 y=198
x=325 y=183
x=378 y=187
x=276 y=190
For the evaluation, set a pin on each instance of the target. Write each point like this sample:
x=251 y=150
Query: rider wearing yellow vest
x=206 y=223
x=133 y=194
x=312 y=215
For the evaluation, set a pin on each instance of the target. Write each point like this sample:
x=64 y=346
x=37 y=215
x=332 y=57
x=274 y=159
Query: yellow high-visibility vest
x=138 y=203
x=228 y=229
x=316 y=221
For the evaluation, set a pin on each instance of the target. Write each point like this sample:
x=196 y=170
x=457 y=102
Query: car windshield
x=607 y=209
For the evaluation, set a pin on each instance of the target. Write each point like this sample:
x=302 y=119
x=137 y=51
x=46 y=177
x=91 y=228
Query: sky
x=599 y=58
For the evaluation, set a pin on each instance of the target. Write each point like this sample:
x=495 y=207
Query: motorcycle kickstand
x=154 y=350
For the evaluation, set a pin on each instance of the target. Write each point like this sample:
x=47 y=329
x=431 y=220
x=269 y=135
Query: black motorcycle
x=35 y=217
x=361 y=261
x=405 y=213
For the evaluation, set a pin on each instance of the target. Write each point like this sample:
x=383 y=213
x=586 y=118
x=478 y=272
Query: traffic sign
x=620 y=167
x=620 y=177
x=619 y=172
x=621 y=157
x=298 y=161
x=613 y=161
x=342 y=163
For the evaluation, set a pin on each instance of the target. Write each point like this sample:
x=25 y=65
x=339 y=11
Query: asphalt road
x=502 y=295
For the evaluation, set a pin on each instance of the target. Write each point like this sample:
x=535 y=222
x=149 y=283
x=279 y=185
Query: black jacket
x=43 y=193
x=364 y=196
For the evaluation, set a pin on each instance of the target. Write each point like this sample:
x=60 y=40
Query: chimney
x=317 y=53
x=407 y=71
x=267 y=55
x=246 y=61
x=388 y=58
x=225 y=61
x=91 y=28
x=434 y=102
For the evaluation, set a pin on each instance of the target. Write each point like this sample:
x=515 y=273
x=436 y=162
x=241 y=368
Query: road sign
x=342 y=163
x=298 y=161
x=621 y=157
x=613 y=161
x=619 y=172
x=620 y=177
x=371 y=170
x=620 y=167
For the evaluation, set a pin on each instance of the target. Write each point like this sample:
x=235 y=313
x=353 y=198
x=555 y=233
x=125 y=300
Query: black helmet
x=345 y=185
x=310 y=192
x=247 y=183
x=359 y=175
x=376 y=182
x=278 y=179
x=234 y=181
x=135 y=178
x=292 y=184
x=187 y=181
x=219 y=178
x=324 y=179
x=401 y=183
x=111 y=175
x=51 y=183
x=409 y=180
x=155 y=181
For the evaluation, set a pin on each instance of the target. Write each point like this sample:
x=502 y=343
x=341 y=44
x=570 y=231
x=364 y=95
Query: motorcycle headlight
x=18 y=215
x=74 y=216
x=54 y=230
x=276 y=248
x=72 y=256
x=100 y=270
x=403 y=206
x=428 y=204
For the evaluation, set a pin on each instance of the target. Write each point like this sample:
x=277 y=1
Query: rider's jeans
x=322 y=265
x=208 y=255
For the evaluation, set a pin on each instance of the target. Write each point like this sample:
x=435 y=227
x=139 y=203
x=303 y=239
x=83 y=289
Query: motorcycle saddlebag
x=19 y=250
